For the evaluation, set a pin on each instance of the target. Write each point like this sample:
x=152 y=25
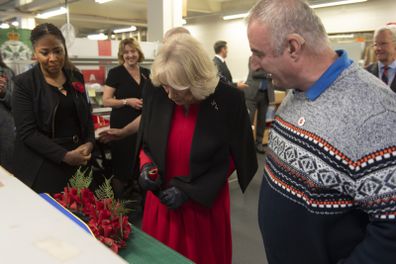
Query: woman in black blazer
x=54 y=129
x=195 y=131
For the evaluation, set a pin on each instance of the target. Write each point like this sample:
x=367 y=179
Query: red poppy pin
x=79 y=87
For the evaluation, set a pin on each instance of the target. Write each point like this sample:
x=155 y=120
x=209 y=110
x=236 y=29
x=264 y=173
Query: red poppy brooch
x=78 y=86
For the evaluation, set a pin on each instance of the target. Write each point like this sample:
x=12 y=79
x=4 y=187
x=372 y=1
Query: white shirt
x=221 y=58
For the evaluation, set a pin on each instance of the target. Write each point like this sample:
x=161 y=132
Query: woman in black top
x=123 y=92
x=54 y=129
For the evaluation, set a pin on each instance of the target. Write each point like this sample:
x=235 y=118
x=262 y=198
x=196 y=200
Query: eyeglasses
x=381 y=44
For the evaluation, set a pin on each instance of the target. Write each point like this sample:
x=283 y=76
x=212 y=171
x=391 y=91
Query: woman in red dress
x=195 y=131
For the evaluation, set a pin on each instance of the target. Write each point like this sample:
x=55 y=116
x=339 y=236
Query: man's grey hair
x=174 y=31
x=284 y=17
x=391 y=28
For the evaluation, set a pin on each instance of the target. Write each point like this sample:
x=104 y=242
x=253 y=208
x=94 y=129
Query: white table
x=32 y=231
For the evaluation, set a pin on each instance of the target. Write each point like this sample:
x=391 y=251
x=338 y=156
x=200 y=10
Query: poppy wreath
x=105 y=216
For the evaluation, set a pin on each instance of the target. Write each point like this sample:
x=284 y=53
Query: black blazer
x=34 y=106
x=373 y=68
x=223 y=69
x=222 y=131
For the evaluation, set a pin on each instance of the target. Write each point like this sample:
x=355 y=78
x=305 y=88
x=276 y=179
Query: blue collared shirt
x=329 y=76
x=391 y=71
x=263 y=85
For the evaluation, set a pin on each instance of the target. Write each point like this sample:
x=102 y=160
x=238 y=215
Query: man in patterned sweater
x=329 y=188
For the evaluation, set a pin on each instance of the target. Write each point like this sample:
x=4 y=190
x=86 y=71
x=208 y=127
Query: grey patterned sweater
x=329 y=188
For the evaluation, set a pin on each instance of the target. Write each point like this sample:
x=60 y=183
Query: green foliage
x=105 y=191
x=80 y=180
x=121 y=207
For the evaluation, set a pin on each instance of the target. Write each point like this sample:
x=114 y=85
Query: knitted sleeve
x=375 y=192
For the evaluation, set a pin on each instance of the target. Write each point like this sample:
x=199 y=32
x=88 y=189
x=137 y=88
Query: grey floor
x=246 y=237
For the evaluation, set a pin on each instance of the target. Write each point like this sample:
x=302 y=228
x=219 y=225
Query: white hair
x=181 y=63
x=284 y=17
x=391 y=28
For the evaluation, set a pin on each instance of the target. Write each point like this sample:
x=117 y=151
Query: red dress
x=201 y=234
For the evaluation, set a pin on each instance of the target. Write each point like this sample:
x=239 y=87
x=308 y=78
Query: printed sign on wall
x=15 y=44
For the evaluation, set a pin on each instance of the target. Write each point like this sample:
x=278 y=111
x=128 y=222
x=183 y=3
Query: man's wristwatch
x=124 y=101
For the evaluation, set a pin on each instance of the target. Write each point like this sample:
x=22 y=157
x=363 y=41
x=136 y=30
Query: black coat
x=34 y=106
x=222 y=131
x=373 y=68
x=223 y=70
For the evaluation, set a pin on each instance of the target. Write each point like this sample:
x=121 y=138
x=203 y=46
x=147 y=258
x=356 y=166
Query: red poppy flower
x=79 y=87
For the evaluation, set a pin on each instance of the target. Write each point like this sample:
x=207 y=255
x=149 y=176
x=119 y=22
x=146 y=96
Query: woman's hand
x=79 y=156
x=149 y=179
x=76 y=158
x=85 y=149
x=173 y=197
x=135 y=103
x=112 y=134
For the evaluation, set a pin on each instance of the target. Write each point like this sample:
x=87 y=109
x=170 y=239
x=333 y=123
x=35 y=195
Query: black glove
x=149 y=179
x=172 y=197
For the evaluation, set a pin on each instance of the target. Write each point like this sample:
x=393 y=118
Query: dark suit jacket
x=223 y=69
x=222 y=131
x=373 y=68
x=34 y=106
x=253 y=81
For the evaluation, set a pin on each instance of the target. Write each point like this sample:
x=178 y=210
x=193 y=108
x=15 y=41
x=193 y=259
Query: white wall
x=86 y=48
x=349 y=18
x=212 y=29
x=364 y=16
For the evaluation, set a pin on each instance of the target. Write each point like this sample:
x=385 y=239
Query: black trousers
x=259 y=103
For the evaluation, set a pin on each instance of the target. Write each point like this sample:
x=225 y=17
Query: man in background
x=385 y=52
x=221 y=51
x=259 y=95
x=329 y=182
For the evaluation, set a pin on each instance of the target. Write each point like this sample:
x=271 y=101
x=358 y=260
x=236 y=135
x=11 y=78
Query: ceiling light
x=237 y=16
x=122 y=30
x=102 y=1
x=51 y=13
x=4 y=26
x=99 y=36
x=341 y=36
x=15 y=23
x=337 y=3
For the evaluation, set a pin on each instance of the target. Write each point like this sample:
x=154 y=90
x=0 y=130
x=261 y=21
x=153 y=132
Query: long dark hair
x=49 y=29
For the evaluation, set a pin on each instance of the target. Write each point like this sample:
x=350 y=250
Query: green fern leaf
x=80 y=179
x=105 y=190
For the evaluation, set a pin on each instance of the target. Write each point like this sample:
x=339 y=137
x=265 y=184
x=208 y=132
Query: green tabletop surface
x=142 y=248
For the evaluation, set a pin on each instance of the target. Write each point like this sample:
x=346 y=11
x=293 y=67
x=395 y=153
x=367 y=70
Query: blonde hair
x=134 y=44
x=183 y=63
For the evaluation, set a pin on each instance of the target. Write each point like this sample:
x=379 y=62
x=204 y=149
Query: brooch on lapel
x=214 y=104
x=79 y=87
